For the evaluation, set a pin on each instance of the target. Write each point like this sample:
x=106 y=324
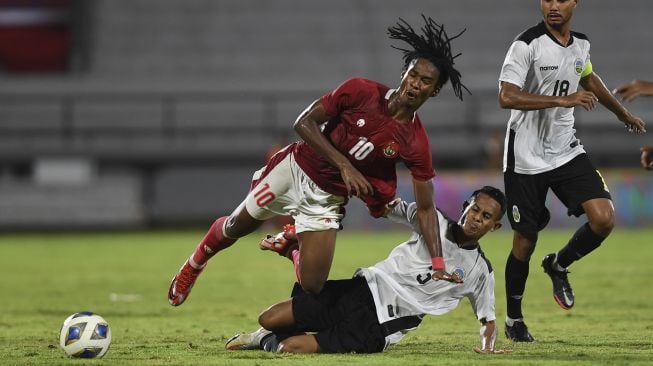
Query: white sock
x=193 y=264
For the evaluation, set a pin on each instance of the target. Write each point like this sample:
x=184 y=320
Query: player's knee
x=230 y=227
x=240 y=223
x=266 y=319
x=271 y=318
x=523 y=246
x=603 y=223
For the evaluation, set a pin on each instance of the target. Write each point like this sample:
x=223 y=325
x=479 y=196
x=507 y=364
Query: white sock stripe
x=510 y=321
x=193 y=264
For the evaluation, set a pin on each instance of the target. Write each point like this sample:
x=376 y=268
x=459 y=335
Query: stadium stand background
x=164 y=108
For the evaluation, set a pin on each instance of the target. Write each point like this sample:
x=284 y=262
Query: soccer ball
x=85 y=335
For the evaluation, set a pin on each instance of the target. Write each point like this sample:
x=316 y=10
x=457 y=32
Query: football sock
x=214 y=241
x=581 y=244
x=510 y=321
x=516 y=275
x=270 y=343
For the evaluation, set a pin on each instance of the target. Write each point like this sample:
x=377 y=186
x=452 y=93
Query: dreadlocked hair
x=434 y=45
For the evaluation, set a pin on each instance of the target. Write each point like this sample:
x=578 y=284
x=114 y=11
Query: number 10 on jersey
x=361 y=149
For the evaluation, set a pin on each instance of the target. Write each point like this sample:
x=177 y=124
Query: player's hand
x=633 y=124
x=647 y=157
x=355 y=182
x=632 y=90
x=492 y=351
x=390 y=206
x=441 y=274
x=583 y=98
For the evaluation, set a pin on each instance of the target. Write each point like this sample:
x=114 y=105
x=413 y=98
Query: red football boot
x=182 y=283
x=283 y=243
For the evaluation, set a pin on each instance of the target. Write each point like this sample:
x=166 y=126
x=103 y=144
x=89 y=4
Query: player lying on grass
x=380 y=304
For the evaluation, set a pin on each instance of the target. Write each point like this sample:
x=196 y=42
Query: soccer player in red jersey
x=352 y=139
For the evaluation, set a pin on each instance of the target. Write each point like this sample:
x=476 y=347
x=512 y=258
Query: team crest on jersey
x=515 y=213
x=579 y=66
x=460 y=272
x=391 y=149
x=360 y=123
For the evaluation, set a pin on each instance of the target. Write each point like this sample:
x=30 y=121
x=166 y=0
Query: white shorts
x=287 y=190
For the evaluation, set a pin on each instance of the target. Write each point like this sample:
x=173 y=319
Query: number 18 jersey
x=541 y=140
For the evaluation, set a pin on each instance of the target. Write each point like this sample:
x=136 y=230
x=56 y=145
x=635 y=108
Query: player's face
x=481 y=216
x=557 y=13
x=418 y=83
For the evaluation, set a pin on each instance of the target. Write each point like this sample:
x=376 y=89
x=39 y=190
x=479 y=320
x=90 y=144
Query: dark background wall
x=164 y=108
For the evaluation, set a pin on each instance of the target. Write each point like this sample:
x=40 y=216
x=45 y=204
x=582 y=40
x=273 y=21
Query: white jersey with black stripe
x=541 y=140
x=402 y=285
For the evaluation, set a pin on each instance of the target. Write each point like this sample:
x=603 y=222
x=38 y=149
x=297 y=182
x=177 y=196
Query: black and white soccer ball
x=85 y=335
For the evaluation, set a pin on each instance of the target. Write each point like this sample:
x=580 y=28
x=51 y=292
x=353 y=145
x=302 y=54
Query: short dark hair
x=434 y=45
x=494 y=193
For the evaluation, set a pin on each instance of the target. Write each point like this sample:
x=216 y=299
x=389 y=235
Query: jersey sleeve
x=420 y=161
x=588 y=68
x=347 y=95
x=404 y=213
x=588 y=65
x=482 y=299
x=517 y=63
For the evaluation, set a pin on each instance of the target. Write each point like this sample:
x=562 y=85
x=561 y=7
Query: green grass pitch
x=124 y=277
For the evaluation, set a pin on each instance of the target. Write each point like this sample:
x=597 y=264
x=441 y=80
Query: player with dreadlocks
x=352 y=138
x=433 y=45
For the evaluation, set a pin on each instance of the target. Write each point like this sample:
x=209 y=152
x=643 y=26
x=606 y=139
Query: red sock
x=295 y=262
x=213 y=242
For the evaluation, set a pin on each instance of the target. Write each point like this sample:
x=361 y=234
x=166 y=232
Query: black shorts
x=573 y=183
x=343 y=315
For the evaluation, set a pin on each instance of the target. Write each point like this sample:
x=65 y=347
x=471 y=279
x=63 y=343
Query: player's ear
x=435 y=92
x=497 y=225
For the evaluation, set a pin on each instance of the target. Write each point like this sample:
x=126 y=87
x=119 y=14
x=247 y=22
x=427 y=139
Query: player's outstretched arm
x=488 y=337
x=430 y=228
x=635 y=88
x=512 y=96
x=307 y=127
x=594 y=84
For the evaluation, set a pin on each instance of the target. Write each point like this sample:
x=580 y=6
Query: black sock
x=581 y=244
x=516 y=275
x=270 y=343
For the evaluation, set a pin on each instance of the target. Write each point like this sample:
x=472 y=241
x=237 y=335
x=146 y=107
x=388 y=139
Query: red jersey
x=362 y=129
